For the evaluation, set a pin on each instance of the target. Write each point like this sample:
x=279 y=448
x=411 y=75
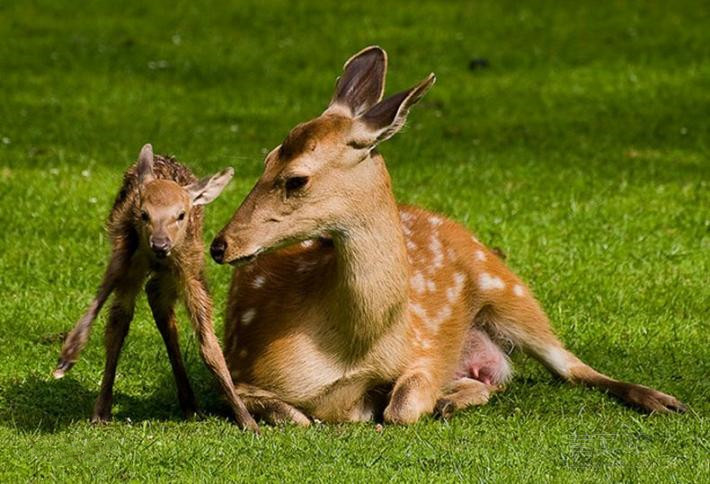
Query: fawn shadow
x=42 y=404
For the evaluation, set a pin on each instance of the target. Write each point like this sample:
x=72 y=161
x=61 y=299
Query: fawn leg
x=162 y=295
x=120 y=316
x=79 y=335
x=199 y=306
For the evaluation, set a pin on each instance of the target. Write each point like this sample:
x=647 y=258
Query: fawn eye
x=295 y=183
x=144 y=216
x=181 y=216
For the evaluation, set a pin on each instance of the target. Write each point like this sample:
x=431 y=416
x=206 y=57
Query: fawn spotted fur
x=155 y=228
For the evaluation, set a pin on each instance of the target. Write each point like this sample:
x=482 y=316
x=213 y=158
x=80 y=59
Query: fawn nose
x=217 y=249
x=160 y=245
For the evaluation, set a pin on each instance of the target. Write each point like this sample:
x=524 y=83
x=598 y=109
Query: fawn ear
x=208 y=188
x=385 y=118
x=363 y=81
x=145 y=164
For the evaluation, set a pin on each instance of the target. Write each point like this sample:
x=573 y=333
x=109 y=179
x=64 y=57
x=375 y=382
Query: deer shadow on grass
x=41 y=404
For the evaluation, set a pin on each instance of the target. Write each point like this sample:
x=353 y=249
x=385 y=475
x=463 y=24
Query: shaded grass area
x=582 y=151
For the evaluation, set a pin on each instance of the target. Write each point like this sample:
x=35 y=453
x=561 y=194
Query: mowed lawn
x=581 y=149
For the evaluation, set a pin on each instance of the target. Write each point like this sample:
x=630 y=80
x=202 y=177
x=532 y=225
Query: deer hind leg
x=119 y=320
x=462 y=393
x=522 y=321
x=162 y=296
x=79 y=335
x=269 y=407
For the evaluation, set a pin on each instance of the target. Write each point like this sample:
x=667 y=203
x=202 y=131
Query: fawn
x=341 y=295
x=155 y=228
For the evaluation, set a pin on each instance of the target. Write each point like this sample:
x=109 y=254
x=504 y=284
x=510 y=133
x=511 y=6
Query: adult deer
x=340 y=292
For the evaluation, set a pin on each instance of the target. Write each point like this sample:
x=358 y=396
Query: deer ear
x=145 y=164
x=385 y=118
x=207 y=189
x=363 y=81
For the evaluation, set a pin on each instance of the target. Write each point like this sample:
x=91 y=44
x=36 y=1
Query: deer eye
x=144 y=216
x=181 y=216
x=295 y=183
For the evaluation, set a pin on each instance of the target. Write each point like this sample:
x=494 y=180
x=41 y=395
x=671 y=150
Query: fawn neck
x=370 y=290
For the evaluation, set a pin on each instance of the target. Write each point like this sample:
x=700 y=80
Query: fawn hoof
x=188 y=407
x=189 y=413
x=100 y=419
x=251 y=427
x=246 y=422
x=63 y=366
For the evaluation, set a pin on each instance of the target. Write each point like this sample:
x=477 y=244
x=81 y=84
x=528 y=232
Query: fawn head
x=164 y=206
x=317 y=178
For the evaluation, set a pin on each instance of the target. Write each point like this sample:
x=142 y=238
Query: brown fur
x=161 y=186
x=390 y=301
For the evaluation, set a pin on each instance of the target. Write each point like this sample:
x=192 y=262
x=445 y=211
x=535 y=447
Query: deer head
x=317 y=180
x=164 y=206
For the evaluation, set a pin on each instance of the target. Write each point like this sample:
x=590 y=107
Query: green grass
x=582 y=151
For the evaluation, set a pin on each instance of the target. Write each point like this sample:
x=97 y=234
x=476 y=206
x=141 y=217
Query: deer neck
x=370 y=290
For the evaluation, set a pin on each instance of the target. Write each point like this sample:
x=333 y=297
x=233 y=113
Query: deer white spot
x=453 y=292
x=406 y=217
x=435 y=221
x=441 y=316
x=407 y=231
x=518 y=290
x=243 y=353
x=437 y=251
x=417 y=282
x=488 y=282
x=419 y=339
x=430 y=285
x=480 y=255
x=459 y=277
x=451 y=253
x=411 y=245
x=417 y=310
x=248 y=316
x=258 y=281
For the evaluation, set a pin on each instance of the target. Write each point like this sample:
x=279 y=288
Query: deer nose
x=161 y=246
x=217 y=250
